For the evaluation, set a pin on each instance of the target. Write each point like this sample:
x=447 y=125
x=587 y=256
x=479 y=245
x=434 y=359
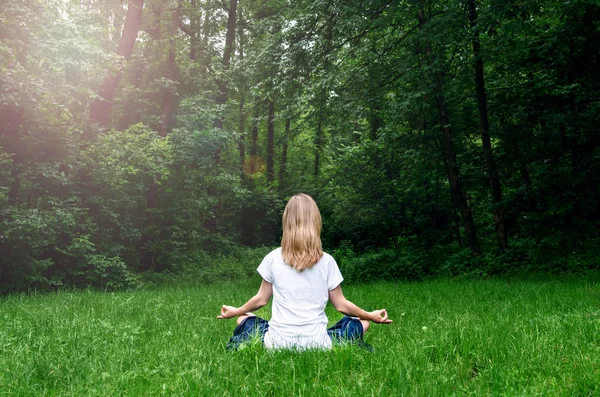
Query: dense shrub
x=411 y=261
x=239 y=263
x=381 y=264
x=47 y=251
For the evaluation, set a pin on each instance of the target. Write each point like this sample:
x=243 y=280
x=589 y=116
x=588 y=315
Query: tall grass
x=450 y=337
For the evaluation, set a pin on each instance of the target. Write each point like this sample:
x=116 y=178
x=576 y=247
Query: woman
x=301 y=278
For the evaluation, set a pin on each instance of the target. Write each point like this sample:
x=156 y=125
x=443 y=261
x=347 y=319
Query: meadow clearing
x=450 y=337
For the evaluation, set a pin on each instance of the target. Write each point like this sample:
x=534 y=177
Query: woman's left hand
x=228 y=312
x=380 y=317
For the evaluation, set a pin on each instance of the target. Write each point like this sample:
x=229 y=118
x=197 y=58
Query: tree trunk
x=193 y=29
x=204 y=48
x=454 y=178
x=147 y=254
x=374 y=119
x=525 y=177
x=117 y=24
x=450 y=155
x=222 y=83
x=169 y=95
x=12 y=126
x=15 y=174
x=456 y=220
x=101 y=107
x=374 y=101
x=195 y=26
x=319 y=131
x=131 y=112
x=322 y=103
x=242 y=131
x=485 y=130
x=254 y=139
x=270 y=141
x=211 y=223
x=242 y=120
x=284 y=149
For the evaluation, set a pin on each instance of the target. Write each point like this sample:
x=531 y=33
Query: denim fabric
x=346 y=330
x=249 y=328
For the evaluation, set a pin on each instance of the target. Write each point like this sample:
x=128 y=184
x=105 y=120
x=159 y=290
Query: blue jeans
x=346 y=330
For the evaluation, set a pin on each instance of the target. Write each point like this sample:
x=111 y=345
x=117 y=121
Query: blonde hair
x=301 y=242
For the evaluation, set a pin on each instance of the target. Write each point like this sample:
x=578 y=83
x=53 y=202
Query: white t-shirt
x=299 y=298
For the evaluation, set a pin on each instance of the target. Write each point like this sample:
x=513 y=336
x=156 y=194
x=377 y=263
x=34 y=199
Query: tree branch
x=225 y=7
x=186 y=29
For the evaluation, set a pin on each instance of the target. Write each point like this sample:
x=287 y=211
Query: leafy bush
x=238 y=263
x=31 y=241
x=109 y=273
x=382 y=264
x=87 y=267
x=40 y=252
x=116 y=173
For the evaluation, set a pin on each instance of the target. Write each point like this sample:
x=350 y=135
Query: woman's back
x=299 y=300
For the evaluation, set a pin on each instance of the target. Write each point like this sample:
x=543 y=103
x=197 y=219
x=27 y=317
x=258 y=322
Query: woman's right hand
x=380 y=317
x=228 y=312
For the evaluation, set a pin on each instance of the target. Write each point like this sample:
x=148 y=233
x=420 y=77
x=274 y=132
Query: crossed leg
x=365 y=323
x=244 y=316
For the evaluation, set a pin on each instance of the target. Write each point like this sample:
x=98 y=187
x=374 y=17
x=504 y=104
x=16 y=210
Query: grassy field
x=450 y=337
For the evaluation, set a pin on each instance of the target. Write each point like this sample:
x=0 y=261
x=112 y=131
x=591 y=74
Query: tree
x=221 y=81
x=456 y=188
x=167 y=105
x=485 y=128
x=101 y=107
x=284 y=150
x=271 y=141
x=322 y=94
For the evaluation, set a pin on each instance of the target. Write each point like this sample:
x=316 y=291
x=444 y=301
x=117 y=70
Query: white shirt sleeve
x=265 y=269
x=334 y=276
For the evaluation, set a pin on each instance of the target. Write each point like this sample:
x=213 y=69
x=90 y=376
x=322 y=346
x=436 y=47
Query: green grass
x=450 y=337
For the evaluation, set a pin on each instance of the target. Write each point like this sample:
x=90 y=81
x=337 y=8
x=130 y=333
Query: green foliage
x=96 y=269
x=80 y=241
x=109 y=273
x=362 y=92
x=411 y=259
x=114 y=177
x=48 y=257
x=125 y=161
x=31 y=241
x=382 y=264
x=202 y=268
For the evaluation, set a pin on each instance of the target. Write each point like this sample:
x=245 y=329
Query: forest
x=456 y=137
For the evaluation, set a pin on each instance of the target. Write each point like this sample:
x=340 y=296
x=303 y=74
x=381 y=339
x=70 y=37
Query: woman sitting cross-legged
x=301 y=278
